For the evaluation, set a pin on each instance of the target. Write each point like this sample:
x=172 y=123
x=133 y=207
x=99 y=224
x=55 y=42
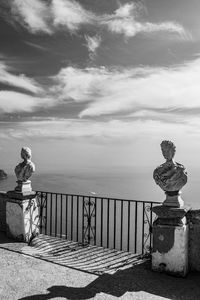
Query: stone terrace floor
x=23 y=276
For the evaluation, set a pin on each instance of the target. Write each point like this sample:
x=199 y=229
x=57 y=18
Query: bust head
x=26 y=153
x=168 y=150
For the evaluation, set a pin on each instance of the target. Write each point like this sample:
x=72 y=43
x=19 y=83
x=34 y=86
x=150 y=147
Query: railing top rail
x=99 y=197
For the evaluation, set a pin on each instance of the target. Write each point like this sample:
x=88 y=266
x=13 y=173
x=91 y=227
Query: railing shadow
x=136 y=279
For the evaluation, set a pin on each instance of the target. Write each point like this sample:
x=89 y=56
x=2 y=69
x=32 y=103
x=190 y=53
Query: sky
x=99 y=84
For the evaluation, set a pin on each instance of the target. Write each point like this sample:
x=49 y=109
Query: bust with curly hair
x=170 y=176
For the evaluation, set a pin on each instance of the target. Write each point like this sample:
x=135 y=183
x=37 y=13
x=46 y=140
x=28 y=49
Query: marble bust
x=170 y=176
x=25 y=169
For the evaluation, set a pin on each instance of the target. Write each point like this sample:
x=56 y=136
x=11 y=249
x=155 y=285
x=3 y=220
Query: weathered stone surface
x=22 y=219
x=3 y=198
x=21 y=195
x=170 y=215
x=193 y=217
x=24 y=187
x=170 y=249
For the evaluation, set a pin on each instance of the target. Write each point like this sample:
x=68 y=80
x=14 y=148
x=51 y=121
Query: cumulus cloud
x=20 y=81
x=121 y=91
x=50 y=16
x=93 y=42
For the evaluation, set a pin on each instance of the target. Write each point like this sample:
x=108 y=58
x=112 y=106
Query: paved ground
x=26 y=277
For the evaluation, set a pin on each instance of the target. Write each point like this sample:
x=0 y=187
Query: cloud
x=17 y=102
x=20 y=81
x=47 y=17
x=33 y=15
x=92 y=44
x=124 y=21
x=114 y=130
x=70 y=14
x=105 y=91
x=36 y=46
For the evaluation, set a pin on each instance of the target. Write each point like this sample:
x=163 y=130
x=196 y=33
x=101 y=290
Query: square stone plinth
x=22 y=219
x=170 y=249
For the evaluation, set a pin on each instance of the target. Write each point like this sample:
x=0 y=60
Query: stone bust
x=170 y=176
x=25 y=169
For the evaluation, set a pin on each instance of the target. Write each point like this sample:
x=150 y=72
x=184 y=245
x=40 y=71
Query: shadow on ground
x=136 y=279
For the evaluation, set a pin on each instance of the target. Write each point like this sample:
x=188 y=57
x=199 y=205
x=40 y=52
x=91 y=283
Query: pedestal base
x=170 y=249
x=174 y=201
x=22 y=219
x=170 y=241
x=23 y=186
x=21 y=195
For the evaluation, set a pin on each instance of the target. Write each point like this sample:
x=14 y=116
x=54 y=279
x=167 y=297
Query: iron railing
x=108 y=222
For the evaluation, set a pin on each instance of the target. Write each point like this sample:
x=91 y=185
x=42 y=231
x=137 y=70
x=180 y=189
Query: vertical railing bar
x=151 y=213
x=56 y=214
x=61 y=203
x=136 y=208
x=51 y=215
x=122 y=214
x=83 y=220
x=89 y=220
x=77 y=220
x=41 y=212
x=72 y=207
x=46 y=213
x=128 y=236
x=101 y=222
x=143 y=208
x=66 y=218
x=95 y=222
x=114 y=235
x=108 y=216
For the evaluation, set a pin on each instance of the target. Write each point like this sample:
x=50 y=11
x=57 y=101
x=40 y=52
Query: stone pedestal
x=22 y=216
x=193 y=217
x=173 y=199
x=170 y=241
x=23 y=187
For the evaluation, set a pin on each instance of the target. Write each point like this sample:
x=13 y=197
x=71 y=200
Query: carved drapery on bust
x=170 y=176
x=25 y=169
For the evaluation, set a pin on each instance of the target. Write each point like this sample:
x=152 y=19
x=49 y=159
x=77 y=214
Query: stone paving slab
x=25 y=277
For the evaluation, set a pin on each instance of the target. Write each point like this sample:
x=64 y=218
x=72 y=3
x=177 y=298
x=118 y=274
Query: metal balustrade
x=107 y=222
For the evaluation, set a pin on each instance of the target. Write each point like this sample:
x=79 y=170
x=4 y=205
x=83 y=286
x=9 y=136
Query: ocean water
x=110 y=183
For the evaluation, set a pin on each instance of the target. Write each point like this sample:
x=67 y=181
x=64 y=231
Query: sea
x=119 y=183
x=111 y=183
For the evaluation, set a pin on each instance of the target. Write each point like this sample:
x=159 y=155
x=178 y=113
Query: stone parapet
x=22 y=218
x=170 y=249
x=170 y=241
x=193 y=217
x=3 y=198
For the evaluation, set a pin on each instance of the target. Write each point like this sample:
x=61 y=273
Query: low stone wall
x=193 y=217
x=3 y=198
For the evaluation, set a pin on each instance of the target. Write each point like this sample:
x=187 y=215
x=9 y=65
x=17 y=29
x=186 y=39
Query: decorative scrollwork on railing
x=41 y=199
x=147 y=228
x=88 y=215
